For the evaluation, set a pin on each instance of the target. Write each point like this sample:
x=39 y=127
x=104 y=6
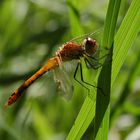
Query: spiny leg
x=87 y=64
x=75 y=73
x=82 y=79
x=90 y=65
x=96 y=59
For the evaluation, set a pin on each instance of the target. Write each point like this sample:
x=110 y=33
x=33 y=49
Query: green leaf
x=118 y=106
x=122 y=43
x=125 y=37
x=74 y=16
x=104 y=82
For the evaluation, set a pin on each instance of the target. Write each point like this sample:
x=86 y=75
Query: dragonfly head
x=90 y=45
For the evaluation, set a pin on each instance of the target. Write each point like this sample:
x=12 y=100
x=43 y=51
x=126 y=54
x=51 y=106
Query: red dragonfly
x=69 y=51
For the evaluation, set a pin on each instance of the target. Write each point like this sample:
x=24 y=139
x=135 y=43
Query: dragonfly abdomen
x=52 y=63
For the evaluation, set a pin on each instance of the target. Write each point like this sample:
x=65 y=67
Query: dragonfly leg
x=97 y=59
x=75 y=73
x=98 y=65
x=90 y=65
x=82 y=79
x=87 y=64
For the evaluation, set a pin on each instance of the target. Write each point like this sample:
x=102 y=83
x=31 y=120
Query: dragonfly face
x=90 y=45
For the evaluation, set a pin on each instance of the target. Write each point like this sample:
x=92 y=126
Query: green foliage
x=102 y=115
x=31 y=32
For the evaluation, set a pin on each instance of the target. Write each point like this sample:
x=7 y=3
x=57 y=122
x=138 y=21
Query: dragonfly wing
x=63 y=82
x=96 y=34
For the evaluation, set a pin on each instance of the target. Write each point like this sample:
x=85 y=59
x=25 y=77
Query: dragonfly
x=69 y=51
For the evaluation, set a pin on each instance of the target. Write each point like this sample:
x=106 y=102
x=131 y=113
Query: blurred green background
x=30 y=33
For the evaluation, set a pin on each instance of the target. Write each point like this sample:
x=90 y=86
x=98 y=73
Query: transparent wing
x=63 y=80
x=96 y=34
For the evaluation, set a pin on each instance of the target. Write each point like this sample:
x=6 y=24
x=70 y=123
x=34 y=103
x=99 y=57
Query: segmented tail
x=52 y=63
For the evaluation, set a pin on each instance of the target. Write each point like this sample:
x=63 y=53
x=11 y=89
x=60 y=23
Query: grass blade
x=74 y=16
x=125 y=37
x=103 y=101
x=123 y=41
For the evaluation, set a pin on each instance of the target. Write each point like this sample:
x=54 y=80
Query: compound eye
x=90 y=45
x=89 y=42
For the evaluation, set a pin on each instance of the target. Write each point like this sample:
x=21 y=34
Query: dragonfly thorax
x=90 y=45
